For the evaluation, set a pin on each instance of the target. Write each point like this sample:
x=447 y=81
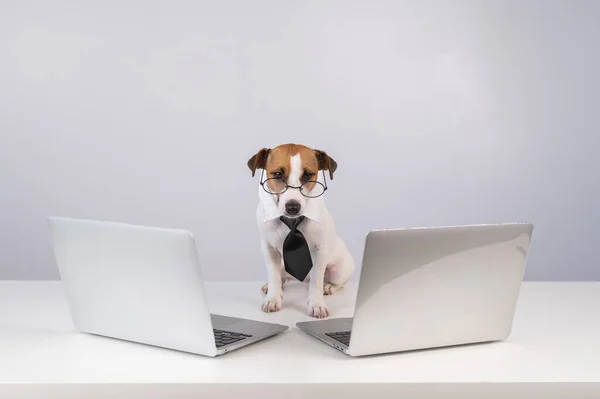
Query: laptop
x=144 y=284
x=432 y=287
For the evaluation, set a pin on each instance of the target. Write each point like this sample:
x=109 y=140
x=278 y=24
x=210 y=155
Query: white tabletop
x=555 y=340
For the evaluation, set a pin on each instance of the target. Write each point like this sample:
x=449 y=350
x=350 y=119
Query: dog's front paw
x=272 y=304
x=318 y=310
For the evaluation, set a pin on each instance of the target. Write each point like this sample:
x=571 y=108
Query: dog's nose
x=292 y=207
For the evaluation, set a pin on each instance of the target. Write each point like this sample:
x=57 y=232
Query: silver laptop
x=143 y=284
x=432 y=287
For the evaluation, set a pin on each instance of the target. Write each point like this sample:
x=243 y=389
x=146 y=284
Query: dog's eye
x=277 y=175
x=307 y=176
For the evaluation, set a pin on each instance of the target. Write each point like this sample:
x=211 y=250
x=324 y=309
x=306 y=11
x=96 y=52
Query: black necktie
x=296 y=255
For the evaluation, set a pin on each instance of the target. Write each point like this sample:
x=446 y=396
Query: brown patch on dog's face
x=279 y=163
x=292 y=164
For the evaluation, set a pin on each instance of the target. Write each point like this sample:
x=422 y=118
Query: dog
x=285 y=169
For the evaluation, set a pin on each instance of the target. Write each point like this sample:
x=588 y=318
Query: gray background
x=438 y=112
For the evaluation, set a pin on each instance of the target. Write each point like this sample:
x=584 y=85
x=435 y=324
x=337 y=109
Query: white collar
x=270 y=209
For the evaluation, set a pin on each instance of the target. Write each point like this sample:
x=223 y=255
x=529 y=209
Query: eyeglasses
x=279 y=186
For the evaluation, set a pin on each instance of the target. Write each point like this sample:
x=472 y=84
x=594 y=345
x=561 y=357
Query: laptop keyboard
x=223 y=338
x=342 y=336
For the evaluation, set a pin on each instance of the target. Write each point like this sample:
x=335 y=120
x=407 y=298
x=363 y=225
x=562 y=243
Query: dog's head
x=293 y=165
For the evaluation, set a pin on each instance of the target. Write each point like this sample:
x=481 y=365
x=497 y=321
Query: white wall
x=438 y=112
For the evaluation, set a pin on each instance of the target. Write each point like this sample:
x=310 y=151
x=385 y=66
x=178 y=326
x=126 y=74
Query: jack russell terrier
x=298 y=237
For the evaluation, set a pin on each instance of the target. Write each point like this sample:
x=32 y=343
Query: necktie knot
x=292 y=223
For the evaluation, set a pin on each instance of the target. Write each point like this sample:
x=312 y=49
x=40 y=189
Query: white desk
x=554 y=352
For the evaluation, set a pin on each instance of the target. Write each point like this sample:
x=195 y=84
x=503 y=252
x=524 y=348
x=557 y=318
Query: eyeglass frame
x=287 y=186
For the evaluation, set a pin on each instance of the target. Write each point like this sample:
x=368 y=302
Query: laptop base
x=328 y=331
x=232 y=333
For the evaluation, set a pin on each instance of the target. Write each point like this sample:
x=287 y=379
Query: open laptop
x=143 y=284
x=432 y=287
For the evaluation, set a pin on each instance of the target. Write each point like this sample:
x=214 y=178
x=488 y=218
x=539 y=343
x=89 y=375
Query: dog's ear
x=326 y=162
x=259 y=160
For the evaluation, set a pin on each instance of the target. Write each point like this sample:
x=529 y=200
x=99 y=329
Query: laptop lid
x=439 y=286
x=135 y=283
